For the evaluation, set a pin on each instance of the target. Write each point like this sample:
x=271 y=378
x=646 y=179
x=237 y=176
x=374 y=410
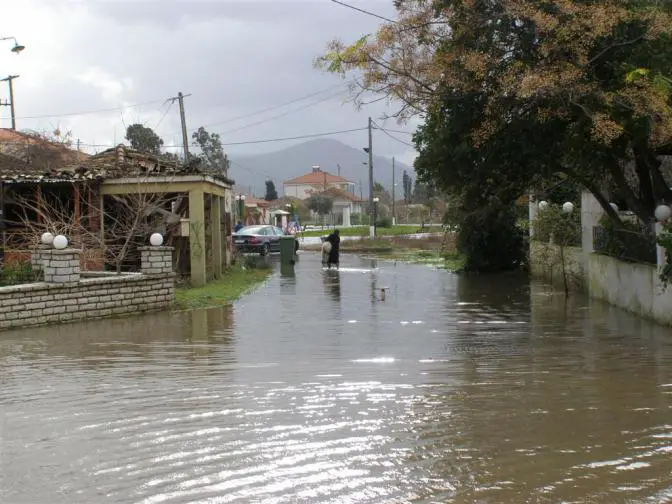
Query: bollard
x=287 y=250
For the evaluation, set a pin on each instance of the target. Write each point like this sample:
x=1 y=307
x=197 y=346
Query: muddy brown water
x=314 y=390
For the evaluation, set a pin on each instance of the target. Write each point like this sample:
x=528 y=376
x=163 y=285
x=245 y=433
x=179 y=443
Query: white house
x=317 y=180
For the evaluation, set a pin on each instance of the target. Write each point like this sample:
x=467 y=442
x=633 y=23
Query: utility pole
x=394 y=216
x=339 y=169
x=185 y=139
x=9 y=80
x=370 y=151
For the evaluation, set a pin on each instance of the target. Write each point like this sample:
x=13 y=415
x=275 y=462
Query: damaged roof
x=117 y=162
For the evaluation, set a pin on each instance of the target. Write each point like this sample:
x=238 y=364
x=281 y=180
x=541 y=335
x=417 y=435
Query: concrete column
x=216 y=235
x=61 y=266
x=156 y=260
x=197 y=237
x=532 y=212
x=661 y=253
x=346 y=216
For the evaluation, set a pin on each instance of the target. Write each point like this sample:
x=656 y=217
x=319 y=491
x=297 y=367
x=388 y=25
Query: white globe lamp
x=543 y=205
x=568 y=207
x=47 y=238
x=156 y=239
x=60 y=242
x=662 y=213
x=614 y=206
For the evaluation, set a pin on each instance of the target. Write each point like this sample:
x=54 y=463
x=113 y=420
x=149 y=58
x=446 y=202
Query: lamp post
x=16 y=50
x=241 y=206
x=10 y=80
x=375 y=212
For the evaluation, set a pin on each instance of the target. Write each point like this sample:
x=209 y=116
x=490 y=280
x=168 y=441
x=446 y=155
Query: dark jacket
x=335 y=241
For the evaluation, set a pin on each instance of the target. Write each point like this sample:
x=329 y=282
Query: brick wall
x=68 y=295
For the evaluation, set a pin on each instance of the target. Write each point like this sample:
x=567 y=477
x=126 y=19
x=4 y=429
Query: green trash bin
x=287 y=250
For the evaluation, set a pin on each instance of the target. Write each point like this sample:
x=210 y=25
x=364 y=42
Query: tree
x=513 y=95
x=144 y=139
x=408 y=187
x=424 y=193
x=212 y=153
x=271 y=192
x=320 y=204
x=129 y=220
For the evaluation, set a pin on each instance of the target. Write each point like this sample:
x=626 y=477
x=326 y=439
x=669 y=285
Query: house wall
x=303 y=191
x=68 y=296
x=631 y=286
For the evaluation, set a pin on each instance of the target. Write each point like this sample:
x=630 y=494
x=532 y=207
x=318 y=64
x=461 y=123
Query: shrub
x=565 y=229
x=15 y=273
x=385 y=222
x=358 y=219
x=490 y=240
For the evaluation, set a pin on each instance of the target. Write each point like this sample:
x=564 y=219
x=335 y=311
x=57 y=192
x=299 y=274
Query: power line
x=399 y=131
x=312 y=104
x=301 y=137
x=393 y=137
x=247 y=142
x=153 y=102
x=97 y=111
x=269 y=177
x=368 y=13
x=273 y=107
x=170 y=104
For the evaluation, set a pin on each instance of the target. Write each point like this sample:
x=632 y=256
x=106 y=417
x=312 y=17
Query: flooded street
x=314 y=390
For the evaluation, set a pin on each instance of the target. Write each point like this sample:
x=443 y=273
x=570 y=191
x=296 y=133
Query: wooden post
x=197 y=237
x=216 y=234
x=77 y=205
x=38 y=196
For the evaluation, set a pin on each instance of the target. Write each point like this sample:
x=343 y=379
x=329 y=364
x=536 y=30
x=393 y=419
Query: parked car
x=262 y=239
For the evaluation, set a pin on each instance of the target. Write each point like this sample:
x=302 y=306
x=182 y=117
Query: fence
x=626 y=245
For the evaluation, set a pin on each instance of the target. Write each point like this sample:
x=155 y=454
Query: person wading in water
x=335 y=240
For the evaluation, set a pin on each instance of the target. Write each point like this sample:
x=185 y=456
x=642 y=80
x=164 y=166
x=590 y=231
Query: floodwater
x=314 y=390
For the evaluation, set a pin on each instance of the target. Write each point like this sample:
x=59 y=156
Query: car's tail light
x=254 y=241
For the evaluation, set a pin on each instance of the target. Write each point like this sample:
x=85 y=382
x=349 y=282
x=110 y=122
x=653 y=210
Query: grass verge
x=235 y=282
x=419 y=251
x=364 y=231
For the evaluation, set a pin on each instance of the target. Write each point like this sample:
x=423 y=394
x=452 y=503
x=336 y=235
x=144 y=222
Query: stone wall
x=634 y=287
x=66 y=295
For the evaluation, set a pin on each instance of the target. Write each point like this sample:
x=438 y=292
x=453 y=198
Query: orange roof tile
x=316 y=177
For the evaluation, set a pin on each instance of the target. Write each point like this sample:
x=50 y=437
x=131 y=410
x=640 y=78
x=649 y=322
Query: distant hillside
x=297 y=160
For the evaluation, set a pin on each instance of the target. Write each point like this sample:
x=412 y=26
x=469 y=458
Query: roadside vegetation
x=235 y=282
x=436 y=251
x=380 y=231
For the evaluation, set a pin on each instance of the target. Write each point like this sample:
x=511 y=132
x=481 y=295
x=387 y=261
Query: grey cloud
x=233 y=57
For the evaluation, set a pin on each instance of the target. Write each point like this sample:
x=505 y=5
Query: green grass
x=235 y=282
x=364 y=231
x=449 y=262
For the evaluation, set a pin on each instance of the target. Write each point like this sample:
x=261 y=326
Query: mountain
x=253 y=171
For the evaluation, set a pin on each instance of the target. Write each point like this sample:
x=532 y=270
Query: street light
x=241 y=206
x=662 y=213
x=568 y=207
x=17 y=47
x=375 y=212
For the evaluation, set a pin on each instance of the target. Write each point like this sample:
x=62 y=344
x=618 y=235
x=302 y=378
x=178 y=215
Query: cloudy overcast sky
x=235 y=58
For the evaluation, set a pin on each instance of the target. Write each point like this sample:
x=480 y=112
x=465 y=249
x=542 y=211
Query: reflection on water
x=454 y=389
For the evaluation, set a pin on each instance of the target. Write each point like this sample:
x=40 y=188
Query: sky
x=121 y=60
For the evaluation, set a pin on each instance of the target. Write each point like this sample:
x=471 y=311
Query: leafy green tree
x=271 y=192
x=211 y=151
x=144 y=139
x=320 y=204
x=516 y=93
x=407 y=183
